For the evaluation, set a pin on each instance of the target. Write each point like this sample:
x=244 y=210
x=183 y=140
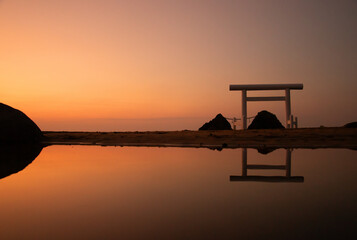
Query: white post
x=288 y=108
x=244 y=108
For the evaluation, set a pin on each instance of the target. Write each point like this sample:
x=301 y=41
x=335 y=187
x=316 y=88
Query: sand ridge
x=277 y=138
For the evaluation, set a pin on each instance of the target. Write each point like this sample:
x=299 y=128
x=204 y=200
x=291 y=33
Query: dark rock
x=15 y=157
x=265 y=150
x=265 y=120
x=16 y=127
x=351 y=125
x=218 y=123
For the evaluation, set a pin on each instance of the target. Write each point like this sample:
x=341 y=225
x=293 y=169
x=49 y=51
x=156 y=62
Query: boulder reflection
x=14 y=158
x=286 y=177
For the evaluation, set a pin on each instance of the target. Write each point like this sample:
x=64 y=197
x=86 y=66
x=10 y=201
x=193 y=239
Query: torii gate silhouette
x=253 y=87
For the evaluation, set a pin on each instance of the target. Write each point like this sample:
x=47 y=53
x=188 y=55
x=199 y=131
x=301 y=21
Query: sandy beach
x=274 y=138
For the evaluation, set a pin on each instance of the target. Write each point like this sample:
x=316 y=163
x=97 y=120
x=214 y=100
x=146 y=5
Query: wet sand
x=267 y=138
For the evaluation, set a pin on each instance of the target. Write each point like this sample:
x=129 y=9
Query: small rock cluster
x=265 y=120
x=218 y=123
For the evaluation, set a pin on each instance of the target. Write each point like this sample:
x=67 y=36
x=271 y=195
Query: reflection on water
x=14 y=158
x=92 y=192
x=286 y=168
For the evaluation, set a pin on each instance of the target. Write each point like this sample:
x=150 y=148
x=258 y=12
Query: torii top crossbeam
x=297 y=86
x=255 y=87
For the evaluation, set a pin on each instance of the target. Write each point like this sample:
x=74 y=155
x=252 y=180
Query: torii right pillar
x=257 y=87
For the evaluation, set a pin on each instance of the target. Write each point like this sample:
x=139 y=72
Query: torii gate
x=253 y=87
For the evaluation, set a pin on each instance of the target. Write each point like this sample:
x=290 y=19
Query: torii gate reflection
x=256 y=178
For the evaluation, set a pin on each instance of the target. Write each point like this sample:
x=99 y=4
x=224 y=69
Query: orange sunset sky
x=167 y=65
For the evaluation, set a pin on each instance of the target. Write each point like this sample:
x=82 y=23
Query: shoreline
x=337 y=137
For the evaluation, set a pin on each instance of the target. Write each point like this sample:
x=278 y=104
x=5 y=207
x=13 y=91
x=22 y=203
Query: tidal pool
x=92 y=192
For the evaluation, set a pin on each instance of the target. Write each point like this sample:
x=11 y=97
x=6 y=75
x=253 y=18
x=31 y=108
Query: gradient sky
x=94 y=65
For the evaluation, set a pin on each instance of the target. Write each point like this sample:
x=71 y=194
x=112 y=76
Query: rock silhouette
x=14 y=158
x=218 y=123
x=351 y=125
x=265 y=150
x=265 y=120
x=16 y=127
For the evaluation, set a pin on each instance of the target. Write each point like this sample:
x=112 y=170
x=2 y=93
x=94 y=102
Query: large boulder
x=265 y=120
x=16 y=127
x=218 y=123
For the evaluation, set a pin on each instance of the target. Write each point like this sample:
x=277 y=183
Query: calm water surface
x=90 y=192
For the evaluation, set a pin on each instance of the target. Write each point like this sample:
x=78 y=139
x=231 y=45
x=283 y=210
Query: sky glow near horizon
x=94 y=65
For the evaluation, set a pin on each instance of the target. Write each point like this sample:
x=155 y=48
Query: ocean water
x=92 y=192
